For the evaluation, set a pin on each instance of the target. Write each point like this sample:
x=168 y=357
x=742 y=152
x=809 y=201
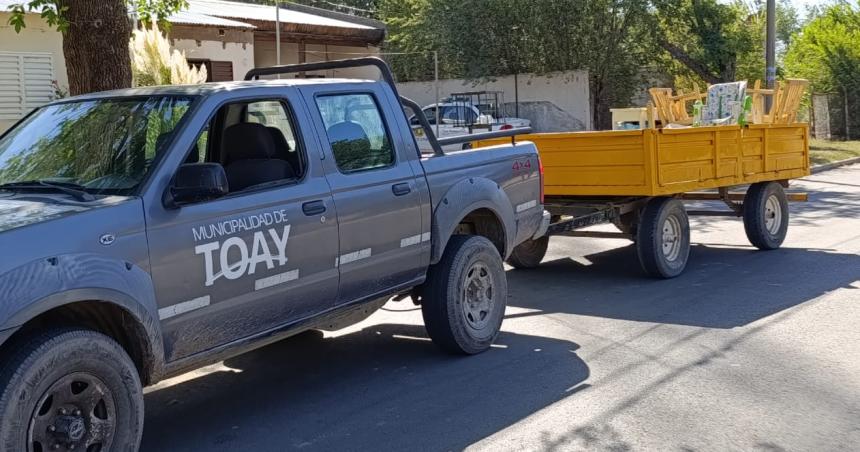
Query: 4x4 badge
x=107 y=239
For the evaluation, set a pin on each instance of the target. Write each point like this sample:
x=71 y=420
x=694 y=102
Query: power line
x=342 y=6
x=325 y=52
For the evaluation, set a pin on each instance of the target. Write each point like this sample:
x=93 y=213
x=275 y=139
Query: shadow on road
x=383 y=388
x=721 y=288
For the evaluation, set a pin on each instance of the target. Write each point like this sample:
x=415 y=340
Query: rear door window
x=356 y=132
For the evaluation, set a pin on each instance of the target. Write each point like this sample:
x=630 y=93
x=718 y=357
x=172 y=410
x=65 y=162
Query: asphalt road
x=747 y=350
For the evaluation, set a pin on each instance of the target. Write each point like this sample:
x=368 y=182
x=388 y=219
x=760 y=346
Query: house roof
x=265 y=13
x=193 y=18
x=299 y=20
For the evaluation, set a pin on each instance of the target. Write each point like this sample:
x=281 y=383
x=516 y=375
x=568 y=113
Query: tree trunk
x=95 y=45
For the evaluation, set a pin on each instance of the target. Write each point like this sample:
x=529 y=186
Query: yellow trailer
x=638 y=180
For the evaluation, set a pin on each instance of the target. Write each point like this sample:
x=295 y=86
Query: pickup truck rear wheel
x=530 y=253
x=663 y=238
x=464 y=298
x=766 y=215
x=66 y=390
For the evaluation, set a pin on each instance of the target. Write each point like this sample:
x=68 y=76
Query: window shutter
x=11 y=95
x=25 y=83
x=222 y=71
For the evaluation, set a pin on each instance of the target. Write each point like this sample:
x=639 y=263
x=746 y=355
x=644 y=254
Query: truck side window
x=254 y=141
x=272 y=114
x=357 y=134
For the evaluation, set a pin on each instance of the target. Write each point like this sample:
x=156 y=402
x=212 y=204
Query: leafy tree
x=95 y=36
x=707 y=37
x=826 y=51
x=484 y=38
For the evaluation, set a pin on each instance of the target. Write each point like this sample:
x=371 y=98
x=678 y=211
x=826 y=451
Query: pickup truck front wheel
x=69 y=390
x=464 y=298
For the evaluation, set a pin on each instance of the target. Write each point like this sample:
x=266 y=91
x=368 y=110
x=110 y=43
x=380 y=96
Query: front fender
x=463 y=198
x=39 y=286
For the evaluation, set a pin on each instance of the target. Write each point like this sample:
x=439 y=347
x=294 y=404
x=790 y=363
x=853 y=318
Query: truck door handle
x=312 y=208
x=401 y=189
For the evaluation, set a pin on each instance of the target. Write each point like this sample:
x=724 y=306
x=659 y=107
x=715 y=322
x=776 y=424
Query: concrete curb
x=829 y=166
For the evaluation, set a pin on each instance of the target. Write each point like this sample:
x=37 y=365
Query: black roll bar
x=388 y=77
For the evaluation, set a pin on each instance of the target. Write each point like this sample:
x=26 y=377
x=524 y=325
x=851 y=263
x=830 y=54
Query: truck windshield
x=102 y=146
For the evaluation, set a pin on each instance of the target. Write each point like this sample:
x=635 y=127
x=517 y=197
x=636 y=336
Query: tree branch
x=679 y=54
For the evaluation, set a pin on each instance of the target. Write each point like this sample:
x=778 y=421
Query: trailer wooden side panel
x=668 y=161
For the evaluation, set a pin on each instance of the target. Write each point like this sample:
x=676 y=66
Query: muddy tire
x=69 y=390
x=463 y=300
x=663 y=238
x=766 y=215
x=529 y=254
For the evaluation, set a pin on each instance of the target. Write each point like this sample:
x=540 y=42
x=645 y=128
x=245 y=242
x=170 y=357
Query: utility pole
x=770 y=52
x=278 y=35
x=436 y=85
x=134 y=14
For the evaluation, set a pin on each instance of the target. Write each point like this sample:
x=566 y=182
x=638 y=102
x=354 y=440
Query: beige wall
x=554 y=102
x=38 y=36
x=240 y=54
x=264 y=55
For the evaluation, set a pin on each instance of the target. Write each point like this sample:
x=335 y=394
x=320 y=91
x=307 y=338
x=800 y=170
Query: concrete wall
x=264 y=55
x=210 y=43
x=553 y=102
x=38 y=36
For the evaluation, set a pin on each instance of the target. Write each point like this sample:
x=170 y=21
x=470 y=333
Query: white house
x=229 y=38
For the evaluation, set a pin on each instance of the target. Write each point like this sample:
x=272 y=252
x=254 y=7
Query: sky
x=801 y=4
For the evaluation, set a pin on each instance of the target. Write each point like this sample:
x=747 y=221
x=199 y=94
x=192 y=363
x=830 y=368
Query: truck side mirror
x=195 y=182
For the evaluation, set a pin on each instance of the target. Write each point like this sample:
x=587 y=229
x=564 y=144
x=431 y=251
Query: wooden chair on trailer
x=757 y=93
x=673 y=109
x=662 y=98
x=786 y=97
x=787 y=101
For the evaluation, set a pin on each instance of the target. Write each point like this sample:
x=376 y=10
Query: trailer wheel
x=663 y=238
x=529 y=254
x=766 y=215
x=69 y=389
x=463 y=300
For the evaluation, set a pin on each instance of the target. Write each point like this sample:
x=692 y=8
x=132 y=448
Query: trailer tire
x=766 y=215
x=70 y=389
x=463 y=300
x=529 y=254
x=663 y=238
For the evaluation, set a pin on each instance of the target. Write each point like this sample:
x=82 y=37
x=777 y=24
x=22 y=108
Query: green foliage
x=54 y=11
x=710 y=39
x=50 y=10
x=827 y=50
x=157 y=10
x=478 y=39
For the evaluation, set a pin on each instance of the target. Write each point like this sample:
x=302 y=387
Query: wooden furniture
x=673 y=109
x=635 y=115
x=786 y=101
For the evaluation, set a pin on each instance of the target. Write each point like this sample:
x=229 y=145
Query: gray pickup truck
x=147 y=232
